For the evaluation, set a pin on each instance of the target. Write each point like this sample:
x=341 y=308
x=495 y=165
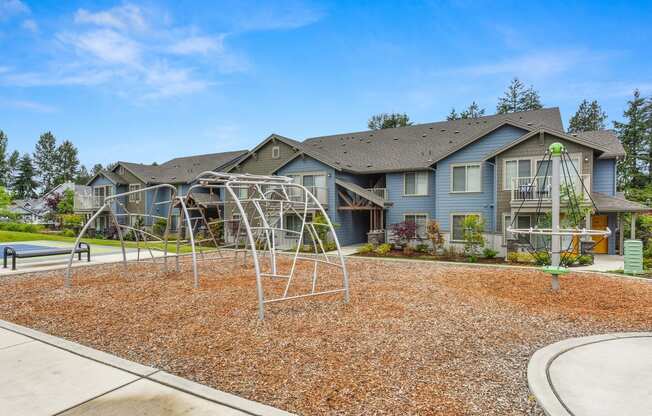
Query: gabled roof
x=608 y=203
x=290 y=142
x=110 y=175
x=359 y=190
x=606 y=138
x=418 y=146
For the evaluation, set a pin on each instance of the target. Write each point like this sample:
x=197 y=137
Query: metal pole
x=555 y=150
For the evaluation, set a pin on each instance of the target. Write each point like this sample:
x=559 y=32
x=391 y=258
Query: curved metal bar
x=68 y=278
x=563 y=231
x=192 y=242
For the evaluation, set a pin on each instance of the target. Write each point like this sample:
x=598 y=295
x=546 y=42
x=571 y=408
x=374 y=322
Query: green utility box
x=633 y=257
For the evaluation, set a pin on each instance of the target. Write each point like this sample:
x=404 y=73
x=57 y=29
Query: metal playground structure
x=227 y=217
x=565 y=185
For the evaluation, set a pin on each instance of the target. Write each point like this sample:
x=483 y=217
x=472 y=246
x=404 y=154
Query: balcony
x=321 y=193
x=534 y=189
x=381 y=192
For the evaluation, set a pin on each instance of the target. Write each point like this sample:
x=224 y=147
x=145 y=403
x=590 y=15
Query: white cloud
x=105 y=44
x=535 y=65
x=9 y=8
x=28 y=105
x=198 y=45
x=30 y=25
x=123 y=17
x=166 y=81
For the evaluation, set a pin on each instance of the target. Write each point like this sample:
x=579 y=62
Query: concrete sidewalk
x=599 y=375
x=45 y=375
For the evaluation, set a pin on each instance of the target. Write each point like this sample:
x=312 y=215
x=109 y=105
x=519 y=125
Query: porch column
x=633 y=230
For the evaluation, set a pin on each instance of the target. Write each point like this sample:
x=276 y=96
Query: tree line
x=51 y=164
x=635 y=132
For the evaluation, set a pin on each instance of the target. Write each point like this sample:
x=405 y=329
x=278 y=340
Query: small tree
x=66 y=203
x=404 y=232
x=473 y=227
x=589 y=117
x=434 y=235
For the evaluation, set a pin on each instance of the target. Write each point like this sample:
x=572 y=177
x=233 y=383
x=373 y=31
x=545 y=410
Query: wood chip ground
x=415 y=339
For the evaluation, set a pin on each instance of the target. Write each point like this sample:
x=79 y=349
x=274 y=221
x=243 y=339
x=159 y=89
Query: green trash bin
x=633 y=257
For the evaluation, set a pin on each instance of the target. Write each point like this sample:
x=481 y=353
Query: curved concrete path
x=597 y=375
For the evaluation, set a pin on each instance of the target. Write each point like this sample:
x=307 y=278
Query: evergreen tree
x=474 y=111
x=452 y=115
x=589 y=117
x=83 y=176
x=388 y=121
x=97 y=168
x=66 y=162
x=24 y=185
x=45 y=160
x=518 y=98
x=5 y=171
x=634 y=134
x=12 y=163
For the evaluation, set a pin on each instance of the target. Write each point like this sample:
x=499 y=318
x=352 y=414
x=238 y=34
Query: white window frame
x=456 y=214
x=506 y=223
x=418 y=214
x=533 y=165
x=135 y=197
x=466 y=177
x=416 y=173
x=276 y=152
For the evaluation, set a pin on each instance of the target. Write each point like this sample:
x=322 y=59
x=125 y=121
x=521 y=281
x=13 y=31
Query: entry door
x=600 y=222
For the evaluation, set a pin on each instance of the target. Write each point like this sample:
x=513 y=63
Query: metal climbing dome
x=227 y=217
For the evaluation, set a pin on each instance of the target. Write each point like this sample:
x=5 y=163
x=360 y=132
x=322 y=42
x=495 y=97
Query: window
x=457 y=228
x=316 y=185
x=415 y=183
x=421 y=221
x=466 y=178
x=522 y=221
x=276 y=152
x=293 y=223
x=135 y=197
x=121 y=170
x=521 y=168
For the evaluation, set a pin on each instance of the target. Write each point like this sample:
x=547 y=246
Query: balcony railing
x=381 y=192
x=320 y=193
x=538 y=188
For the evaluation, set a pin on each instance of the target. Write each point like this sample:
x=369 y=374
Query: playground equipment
x=549 y=238
x=224 y=215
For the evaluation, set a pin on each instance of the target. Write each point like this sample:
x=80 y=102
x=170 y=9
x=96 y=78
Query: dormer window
x=121 y=170
x=276 y=152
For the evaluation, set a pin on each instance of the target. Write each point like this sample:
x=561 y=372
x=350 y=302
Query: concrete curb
x=538 y=369
x=149 y=373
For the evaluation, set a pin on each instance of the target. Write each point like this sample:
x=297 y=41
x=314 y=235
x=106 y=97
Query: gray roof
x=605 y=138
x=608 y=203
x=418 y=146
x=113 y=177
x=183 y=169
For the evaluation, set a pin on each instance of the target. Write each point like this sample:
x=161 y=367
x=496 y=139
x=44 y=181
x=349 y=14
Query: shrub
x=408 y=249
x=512 y=257
x=367 y=248
x=473 y=227
x=489 y=253
x=159 y=226
x=21 y=227
x=71 y=221
x=422 y=248
x=585 y=260
x=541 y=258
x=383 y=249
x=472 y=258
x=568 y=258
x=647 y=263
x=434 y=235
x=66 y=203
x=520 y=257
x=404 y=231
x=68 y=233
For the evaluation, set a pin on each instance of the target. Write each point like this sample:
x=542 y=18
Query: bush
x=541 y=258
x=71 y=221
x=520 y=257
x=21 y=227
x=383 y=249
x=489 y=253
x=568 y=258
x=367 y=248
x=434 y=235
x=473 y=240
x=68 y=233
x=585 y=260
x=159 y=227
x=408 y=249
x=472 y=258
x=512 y=257
x=422 y=248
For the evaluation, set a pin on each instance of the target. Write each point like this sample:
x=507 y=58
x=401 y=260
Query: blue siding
x=612 y=223
x=482 y=202
x=604 y=176
x=409 y=204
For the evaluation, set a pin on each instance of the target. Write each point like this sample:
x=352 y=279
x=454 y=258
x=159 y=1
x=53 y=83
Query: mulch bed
x=416 y=338
x=415 y=255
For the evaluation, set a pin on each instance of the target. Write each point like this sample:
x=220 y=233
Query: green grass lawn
x=13 y=236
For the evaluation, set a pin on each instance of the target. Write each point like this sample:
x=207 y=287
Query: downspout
x=494 y=196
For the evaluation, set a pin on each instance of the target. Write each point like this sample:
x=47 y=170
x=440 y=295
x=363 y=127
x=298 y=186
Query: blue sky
x=148 y=81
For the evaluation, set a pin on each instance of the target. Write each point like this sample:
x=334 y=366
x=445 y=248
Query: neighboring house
x=447 y=170
x=35 y=210
x=125 y=176
x=26 y=210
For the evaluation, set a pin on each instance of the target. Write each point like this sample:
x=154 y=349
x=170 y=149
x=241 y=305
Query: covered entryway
x=369 y=205
x=600 y=222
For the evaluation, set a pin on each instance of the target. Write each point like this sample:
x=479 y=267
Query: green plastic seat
x=555 y=270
